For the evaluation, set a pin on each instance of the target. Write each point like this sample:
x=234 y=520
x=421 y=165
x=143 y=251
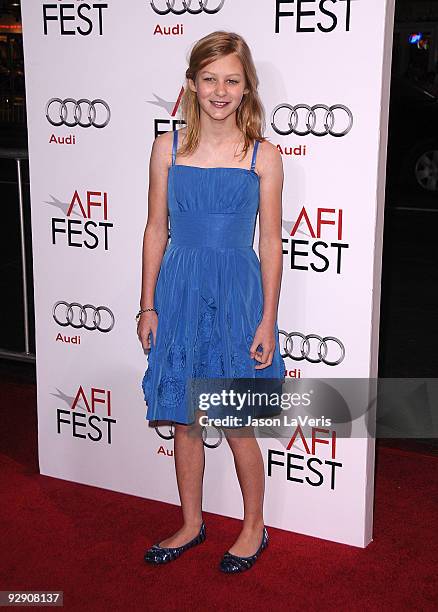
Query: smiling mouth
x=218 y=104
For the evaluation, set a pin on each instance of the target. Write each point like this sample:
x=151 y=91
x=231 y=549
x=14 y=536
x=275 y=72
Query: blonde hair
x=250 y=116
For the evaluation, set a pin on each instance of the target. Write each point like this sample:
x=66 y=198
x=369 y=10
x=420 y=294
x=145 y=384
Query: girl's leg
x=250 y=472
x=189 y=465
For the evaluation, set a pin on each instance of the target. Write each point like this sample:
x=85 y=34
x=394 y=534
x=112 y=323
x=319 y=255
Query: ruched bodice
x=214 y=207
x=209 y=294
x=213 y=190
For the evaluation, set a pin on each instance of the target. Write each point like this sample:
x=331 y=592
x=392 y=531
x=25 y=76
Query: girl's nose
x=220 y=88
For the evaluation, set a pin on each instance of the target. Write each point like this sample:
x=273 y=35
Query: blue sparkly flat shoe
x=158 y=554
x=232 y=564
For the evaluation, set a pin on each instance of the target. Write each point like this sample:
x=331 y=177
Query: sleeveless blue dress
x=208 y=294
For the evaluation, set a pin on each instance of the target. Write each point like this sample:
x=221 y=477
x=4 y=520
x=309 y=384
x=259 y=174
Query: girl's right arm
x=155 y=235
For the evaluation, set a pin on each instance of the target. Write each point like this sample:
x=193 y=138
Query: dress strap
x=254 y=155
x=175 y=146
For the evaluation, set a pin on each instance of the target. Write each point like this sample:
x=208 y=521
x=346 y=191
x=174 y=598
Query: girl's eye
x=233 y=81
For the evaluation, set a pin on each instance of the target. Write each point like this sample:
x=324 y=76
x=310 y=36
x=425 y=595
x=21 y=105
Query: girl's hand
x=146 y=325
x=265 y=335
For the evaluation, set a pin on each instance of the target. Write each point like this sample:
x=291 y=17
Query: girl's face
x=220 y=87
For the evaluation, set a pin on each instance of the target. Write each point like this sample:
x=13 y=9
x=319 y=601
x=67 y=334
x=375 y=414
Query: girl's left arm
x=270 y=213
x=270 y=169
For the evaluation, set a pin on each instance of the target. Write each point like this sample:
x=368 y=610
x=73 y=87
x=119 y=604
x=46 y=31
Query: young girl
x=208 y=302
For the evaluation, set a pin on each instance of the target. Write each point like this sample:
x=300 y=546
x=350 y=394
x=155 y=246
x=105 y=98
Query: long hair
x=250 y=115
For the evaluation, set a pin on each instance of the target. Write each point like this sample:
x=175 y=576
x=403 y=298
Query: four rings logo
x=304 y=351
x=82 y=112
x=319 y=120
x=170 y=434
x=83 y=317
x=203 y=6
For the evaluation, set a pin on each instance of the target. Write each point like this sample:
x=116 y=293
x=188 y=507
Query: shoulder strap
x=175 y=146
x=254 y=154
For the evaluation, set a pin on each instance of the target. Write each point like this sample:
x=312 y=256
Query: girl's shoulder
x=162 y=142
x=268 y=155
x=267 y=148
x=166 y=138
x=162 y=146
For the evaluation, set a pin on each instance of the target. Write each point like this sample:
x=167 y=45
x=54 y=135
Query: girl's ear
x=192 y=85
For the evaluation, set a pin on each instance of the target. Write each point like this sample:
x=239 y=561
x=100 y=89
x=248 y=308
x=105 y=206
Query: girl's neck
x=222 y=132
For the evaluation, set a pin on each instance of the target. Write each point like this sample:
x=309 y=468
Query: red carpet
x=89 y=542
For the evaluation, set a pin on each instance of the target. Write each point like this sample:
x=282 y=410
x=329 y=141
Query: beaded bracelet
x=141 y=311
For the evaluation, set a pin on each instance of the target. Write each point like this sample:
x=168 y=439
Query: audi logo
x=187 y=7
x=170 y=434
x=87 y=317
x=312 y=120
x=69 y=112
x=321 y=349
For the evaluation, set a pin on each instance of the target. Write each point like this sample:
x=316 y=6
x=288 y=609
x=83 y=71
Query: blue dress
x=208 y=294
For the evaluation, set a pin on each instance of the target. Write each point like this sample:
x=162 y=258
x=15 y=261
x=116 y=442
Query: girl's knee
x=190 y=430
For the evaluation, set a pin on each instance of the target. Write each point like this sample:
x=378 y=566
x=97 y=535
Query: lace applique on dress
x=240 y=366
x=176 y=357
x=171 y=390
x=146 y=384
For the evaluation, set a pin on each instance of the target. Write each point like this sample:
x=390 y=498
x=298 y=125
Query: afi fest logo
x=87 y=416
x=322 y=248
x=170 y=122
x=301 y=465
x=67 y=18
x=301 y=16
x=85 y=221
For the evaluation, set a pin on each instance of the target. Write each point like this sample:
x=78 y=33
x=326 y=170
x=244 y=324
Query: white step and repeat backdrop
x=102 y=81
